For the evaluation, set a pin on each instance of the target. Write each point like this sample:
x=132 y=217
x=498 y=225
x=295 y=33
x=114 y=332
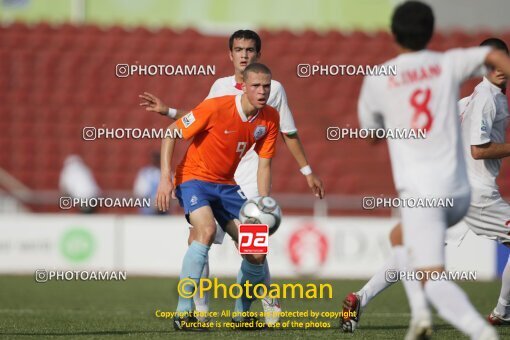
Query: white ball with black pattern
x=261 y=210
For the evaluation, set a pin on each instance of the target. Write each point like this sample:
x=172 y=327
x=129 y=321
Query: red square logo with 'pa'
x=253 y=238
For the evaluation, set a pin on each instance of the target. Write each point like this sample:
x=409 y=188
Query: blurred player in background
x=224 y=129
x=484 y=117
x=77 y=181
x=245 y=47
x=424 y=96
x=146 y=183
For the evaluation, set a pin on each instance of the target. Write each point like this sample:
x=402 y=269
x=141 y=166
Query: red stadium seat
x=62 y=79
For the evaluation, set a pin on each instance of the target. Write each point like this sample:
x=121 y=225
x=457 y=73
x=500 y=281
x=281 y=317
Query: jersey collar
x=494 y=89
x=235 y=84
x=242 y=115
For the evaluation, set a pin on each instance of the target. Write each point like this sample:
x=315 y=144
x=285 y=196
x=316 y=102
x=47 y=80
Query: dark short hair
x=247 y=35
x=256 y=68
x=412 y=25
x=496 y=43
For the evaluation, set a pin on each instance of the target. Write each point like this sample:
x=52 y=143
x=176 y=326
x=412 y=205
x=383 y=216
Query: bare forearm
x=264 y=180
x=490 y=151
x=296 y=149
x=167 y=151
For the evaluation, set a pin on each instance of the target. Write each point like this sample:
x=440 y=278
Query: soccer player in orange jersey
x=223 y=130
x=245 y=48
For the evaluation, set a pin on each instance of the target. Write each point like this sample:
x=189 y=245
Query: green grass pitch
x=126 y=309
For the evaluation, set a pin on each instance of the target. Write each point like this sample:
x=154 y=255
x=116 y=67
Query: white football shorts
x=490 y=219
x=424 y=231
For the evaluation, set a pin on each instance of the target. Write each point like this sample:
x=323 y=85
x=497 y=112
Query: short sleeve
x=198 y=119
x=481 y=112
x=462 y=105
x=266 y=146
x=468 y=62
x=368 y=113
x=279 y=102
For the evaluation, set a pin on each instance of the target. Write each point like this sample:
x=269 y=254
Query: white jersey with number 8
x=423 y=95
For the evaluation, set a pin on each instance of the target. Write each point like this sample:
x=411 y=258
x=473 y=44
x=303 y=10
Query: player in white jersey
x=484 y=117
x=424 y=96
x=245 y=48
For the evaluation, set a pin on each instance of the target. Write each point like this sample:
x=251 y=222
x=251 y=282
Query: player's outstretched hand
x=165 y=191
x=316 y=185
x=153 y=103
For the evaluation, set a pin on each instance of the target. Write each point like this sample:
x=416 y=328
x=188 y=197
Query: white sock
x=378 y=282
x=503 y=306
x=454 y=306
x=413 y=288
x=202 y=303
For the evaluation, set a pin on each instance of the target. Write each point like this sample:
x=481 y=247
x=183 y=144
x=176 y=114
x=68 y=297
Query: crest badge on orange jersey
x=260 y=131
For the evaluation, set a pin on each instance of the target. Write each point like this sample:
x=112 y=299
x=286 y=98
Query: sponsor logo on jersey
x=260 y=131
x=188 y=119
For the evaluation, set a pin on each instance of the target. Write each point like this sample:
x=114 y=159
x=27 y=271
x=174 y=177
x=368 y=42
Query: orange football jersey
x=222 y=135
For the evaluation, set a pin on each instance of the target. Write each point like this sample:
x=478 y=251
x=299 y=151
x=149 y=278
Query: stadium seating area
x=56 y=80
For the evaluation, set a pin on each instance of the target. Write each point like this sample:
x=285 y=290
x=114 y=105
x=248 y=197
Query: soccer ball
x=261 y=210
